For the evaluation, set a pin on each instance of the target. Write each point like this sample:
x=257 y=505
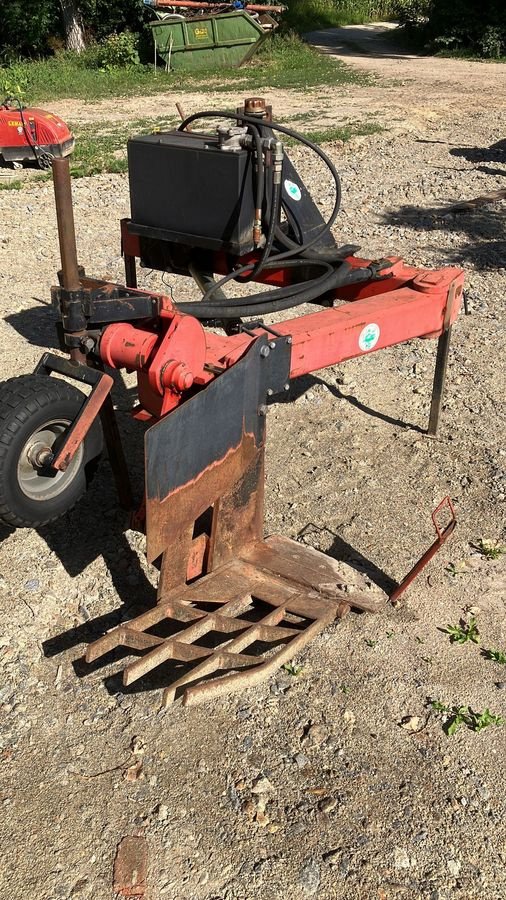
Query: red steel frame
x=176 y=353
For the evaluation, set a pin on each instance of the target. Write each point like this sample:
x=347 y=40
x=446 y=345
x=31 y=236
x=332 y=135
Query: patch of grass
x=463 y=632
x=467 y=54
x=306 y=15
x=18 y=184
x=498 y=656
x=284 y=61
x=341 y=133
x=464 y=715
x=102 y=148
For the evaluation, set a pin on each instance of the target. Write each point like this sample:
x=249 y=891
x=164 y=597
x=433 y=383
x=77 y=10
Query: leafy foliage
x=491 y=549
x=305 y=15
x=498 y=656
x=26 y=25
x=35 y=27
x=464 y=715
x=457 y=24
x=118 y=50
x=463 y=632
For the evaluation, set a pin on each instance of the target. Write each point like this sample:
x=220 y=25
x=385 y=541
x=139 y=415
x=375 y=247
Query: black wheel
x=35 y=414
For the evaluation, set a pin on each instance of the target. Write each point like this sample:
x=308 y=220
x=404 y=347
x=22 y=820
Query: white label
x=369 y=337
x=293 y=190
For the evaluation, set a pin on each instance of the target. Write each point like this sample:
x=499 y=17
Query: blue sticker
x=293 y=190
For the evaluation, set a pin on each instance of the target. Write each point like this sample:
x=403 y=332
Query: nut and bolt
x=88 y=344
x=262 y=410
x=264 y=351
x=255 y=106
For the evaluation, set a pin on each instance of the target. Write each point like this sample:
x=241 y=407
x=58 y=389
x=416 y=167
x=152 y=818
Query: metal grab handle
x=442 y=535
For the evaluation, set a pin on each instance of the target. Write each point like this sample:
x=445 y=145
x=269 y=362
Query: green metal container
x=209 y=42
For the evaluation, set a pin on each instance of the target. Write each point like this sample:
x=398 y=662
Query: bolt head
x=254 y=106
x=264 y=351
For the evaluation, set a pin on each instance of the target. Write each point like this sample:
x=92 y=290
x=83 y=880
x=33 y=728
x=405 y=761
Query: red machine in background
x=30 y=135
x=226 y=202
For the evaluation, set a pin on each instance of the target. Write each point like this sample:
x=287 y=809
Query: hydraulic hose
x=330 y=277
x=280 y=298
x=275 y=126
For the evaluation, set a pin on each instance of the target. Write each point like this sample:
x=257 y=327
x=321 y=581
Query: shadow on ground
x=481 y=219
x=373 y=42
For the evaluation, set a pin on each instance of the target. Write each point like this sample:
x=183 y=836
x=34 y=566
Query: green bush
x=457 y=24
x=117 y=51
x=412 y=13
x=35 y=28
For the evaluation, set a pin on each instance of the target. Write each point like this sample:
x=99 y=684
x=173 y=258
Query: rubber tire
x=26 y=402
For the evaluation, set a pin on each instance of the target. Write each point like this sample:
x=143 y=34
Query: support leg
x=443 y=347
x=115 y=453
x=130 y=271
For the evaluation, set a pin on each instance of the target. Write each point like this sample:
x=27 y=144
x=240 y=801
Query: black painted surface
x=205 y=428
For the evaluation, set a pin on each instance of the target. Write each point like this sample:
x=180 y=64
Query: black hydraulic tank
x=186 y=189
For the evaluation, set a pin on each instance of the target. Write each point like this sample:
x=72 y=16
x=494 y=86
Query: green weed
x=498 y=656
x=339 y=133
x=292 y=669
x=490 y=549
x=456 y=569
x=456 y=716
x=463 y=632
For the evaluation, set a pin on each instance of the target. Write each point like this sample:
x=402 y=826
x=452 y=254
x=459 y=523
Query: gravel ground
x=307 y=785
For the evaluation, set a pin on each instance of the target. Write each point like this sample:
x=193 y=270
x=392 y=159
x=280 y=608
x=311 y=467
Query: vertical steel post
x=67 y=241
x=443 y=348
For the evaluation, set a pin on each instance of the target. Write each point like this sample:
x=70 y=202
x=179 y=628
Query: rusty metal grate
x=291 y=580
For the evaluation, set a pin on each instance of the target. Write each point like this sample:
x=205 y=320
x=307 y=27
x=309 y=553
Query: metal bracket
x=101 y=385
x=443 y=349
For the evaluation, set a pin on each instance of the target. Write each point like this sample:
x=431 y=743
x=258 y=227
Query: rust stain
x=165 y=516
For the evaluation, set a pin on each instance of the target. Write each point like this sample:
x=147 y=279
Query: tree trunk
x=72 y=23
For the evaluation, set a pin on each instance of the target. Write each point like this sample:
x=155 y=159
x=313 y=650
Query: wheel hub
x=36 y=479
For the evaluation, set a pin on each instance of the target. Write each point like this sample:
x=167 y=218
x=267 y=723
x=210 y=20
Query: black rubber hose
x=275 y=126
x=260 y=186
x=329 y=256
x=261 y=263
x=282 y=298
x=295 y=294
